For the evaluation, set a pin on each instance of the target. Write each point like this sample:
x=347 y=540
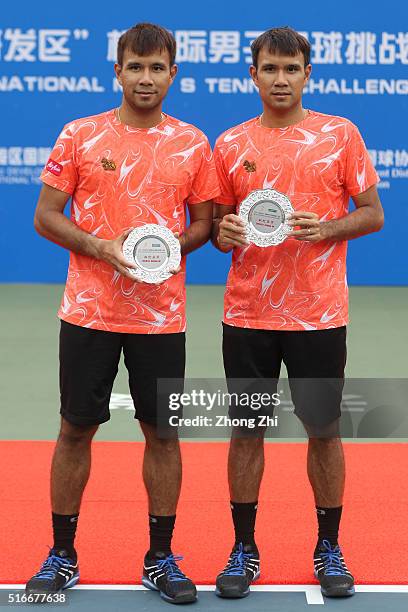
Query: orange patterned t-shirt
x=122 y=177
x=318 y=163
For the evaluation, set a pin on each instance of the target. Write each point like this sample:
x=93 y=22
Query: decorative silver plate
x=266 y=212
x=155 y=251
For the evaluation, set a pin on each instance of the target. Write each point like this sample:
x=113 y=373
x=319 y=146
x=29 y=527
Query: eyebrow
x=132 y=63
x=270 y=65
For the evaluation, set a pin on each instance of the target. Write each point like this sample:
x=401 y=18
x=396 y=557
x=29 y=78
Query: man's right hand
x=110 y=251
x=232 y=232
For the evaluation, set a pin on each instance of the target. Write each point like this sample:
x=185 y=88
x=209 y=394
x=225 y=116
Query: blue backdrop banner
x=56 y=64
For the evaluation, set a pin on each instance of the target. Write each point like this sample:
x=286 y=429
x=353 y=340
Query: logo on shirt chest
x=108 y=164
x=250 y=166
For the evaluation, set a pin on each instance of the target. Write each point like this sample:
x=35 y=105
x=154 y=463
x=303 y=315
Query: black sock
x=161 y=533
x=329 y=521
x=244 y=516
x=64 y=528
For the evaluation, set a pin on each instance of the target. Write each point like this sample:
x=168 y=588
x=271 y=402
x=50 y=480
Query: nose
x=281 y=79
x=146 y=77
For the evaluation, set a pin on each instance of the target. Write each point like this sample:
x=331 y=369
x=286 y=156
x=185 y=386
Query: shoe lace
x=331 y=559
x=51 y=565
x=169 y=565
x=236 y=564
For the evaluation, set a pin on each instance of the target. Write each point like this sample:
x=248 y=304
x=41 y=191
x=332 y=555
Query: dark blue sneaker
x=331 y=571
x=58 y=572
x=161 y=573
x=242 y=569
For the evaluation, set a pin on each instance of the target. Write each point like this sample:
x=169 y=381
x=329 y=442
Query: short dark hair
x=146 y=38
x=284 y=41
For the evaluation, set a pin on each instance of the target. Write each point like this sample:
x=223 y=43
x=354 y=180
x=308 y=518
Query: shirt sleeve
x=60 y=171
x=227 y=195
x=205 y=184
x=359 y=173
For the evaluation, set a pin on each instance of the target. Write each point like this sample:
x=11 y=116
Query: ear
x=308 y=71
x=118 y=71
x=173 y=72
x=254 y=74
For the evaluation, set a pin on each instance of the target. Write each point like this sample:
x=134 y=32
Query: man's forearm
x=55 y=226
x=197 y=234
x=361 y=221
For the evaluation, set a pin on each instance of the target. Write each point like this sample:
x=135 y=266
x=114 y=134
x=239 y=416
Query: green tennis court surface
x=377 y=341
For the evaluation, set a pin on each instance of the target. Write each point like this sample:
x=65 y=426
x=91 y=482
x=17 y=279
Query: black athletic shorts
x=89 y=360
x=315 y=361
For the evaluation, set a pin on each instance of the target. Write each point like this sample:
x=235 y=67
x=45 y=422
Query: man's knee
x=328 y=433
x=158 y=443
x=74 y=435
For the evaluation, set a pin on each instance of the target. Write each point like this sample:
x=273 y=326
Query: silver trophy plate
x=266 y=213
x=155 y=251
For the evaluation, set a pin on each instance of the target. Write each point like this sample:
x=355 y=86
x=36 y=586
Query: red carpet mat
x=112 y=533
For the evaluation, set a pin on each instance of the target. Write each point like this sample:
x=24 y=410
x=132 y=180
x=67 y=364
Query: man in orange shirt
x=123 y=168
x=289 y=302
